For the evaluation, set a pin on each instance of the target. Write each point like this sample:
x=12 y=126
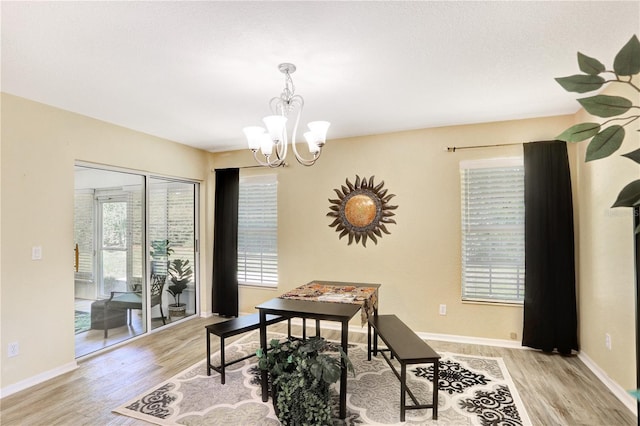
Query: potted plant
x=181 y=274
x=160 y=252
x=301 y=373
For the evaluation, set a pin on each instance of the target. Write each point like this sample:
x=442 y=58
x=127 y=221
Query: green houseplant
x=301 y=373
x=181 y=274
x=619 y=112
x=160 y=252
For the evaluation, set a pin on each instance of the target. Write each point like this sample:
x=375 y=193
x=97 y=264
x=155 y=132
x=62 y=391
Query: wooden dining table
x=322 y=301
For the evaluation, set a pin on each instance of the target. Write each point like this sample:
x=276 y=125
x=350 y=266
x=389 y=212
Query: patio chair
x=130 y=300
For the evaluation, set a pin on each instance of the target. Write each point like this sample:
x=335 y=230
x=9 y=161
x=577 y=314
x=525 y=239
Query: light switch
x=36 y=253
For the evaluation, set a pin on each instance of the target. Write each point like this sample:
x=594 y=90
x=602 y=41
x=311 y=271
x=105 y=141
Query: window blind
x=258 y=230
x=493 y=230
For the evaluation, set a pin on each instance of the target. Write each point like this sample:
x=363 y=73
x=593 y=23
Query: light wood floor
x=556 y=390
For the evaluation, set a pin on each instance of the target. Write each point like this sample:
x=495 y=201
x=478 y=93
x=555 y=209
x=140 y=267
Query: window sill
x=494 y=303
x=258 y=286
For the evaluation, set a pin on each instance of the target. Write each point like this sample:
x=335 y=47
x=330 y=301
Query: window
x=493 y=230
x=258 y=231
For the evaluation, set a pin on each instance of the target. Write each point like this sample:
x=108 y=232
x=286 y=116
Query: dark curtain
x=550 y=314
x=225 y=244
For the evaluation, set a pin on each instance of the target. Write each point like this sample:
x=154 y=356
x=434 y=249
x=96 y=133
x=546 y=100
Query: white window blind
x=258 y=231
x=493 y=230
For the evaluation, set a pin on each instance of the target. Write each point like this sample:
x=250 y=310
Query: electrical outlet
x=607 y=341
x=443 y=309
x=36 y=253
x=13 y=350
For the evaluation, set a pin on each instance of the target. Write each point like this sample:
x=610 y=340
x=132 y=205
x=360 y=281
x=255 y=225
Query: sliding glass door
x=135 y=255
x=172 y=236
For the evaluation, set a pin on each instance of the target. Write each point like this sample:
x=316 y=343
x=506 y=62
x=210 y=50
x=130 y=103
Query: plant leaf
x=605 y=106
x=634 y=155
x=579 y=132
x=627 y=61
x=589 y=65
x=581 y=83
x=629 y=196
x=605 y=143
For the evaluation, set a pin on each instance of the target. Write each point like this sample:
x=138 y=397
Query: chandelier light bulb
x=319 y=129
x=275 y=126
x=253 y=134
x=266 y=144
x=311 y=139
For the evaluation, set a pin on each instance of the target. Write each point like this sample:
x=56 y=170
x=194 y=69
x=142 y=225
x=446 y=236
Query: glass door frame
x=196 y=243
x=146 y=265
x=101 y=200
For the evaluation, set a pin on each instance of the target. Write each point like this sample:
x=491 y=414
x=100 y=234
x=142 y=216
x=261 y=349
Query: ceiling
x=198 y=72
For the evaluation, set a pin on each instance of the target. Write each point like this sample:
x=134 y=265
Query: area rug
x=82 y=321
x=474 y=390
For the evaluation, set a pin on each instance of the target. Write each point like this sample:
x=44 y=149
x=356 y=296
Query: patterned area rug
x=82 y=321
x=473 y=391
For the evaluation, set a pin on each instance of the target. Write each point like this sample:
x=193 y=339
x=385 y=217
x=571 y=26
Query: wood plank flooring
x=556 y=390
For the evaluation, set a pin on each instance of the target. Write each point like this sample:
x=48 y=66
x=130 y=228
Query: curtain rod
x=240 y=167
x=456 y=148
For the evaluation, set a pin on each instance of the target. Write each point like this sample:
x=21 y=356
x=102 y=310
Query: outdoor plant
x=301 y=373
x=160 y=252
x=607 y=137
x=181 y=274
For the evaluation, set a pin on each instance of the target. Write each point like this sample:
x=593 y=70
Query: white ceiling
x=197 y=72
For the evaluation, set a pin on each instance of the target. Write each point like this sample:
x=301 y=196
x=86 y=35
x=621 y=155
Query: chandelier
x=273 y=141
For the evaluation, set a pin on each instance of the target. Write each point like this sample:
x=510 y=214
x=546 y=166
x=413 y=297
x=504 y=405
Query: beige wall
x=606 y=267
x=418 y=265
x=39 y=147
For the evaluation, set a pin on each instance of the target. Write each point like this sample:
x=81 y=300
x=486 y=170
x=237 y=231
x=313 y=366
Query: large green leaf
x=605 y=143
x=581 y=83
x=606 y=106
x=627 y=61
x=590 y=65
x=629 y=196
x=579 y=132
x=634 y=155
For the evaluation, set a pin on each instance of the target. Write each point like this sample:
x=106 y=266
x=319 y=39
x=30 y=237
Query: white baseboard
x=615 y=388
x=37 y=379
x=502 y=343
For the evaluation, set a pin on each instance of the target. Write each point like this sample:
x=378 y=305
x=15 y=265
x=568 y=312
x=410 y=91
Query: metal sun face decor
x=362 y=210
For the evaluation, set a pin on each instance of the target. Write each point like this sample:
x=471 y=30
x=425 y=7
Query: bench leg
x=222 y=360
x=403 y=390
x=208 y=352
x=368 y=342
x=436 y=376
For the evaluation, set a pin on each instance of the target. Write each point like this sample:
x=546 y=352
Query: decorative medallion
x=362 y=210
x=493 y=407
x=454 y=378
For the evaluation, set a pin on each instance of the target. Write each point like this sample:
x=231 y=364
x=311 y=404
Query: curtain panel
x=550 y=314
x=225 y=243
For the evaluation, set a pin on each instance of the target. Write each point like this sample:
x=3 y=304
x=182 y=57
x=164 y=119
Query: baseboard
x=502 y=343
x=629 y=401
x=37 y=379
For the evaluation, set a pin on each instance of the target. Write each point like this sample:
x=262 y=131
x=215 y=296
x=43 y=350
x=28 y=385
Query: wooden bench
x=407 y=348
x=230 y=328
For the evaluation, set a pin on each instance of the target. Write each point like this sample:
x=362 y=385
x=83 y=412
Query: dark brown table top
x=310 y=309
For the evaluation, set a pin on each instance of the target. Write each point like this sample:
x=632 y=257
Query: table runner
x=325 y=291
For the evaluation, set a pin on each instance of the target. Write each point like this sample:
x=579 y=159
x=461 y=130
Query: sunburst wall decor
x=362 y=210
